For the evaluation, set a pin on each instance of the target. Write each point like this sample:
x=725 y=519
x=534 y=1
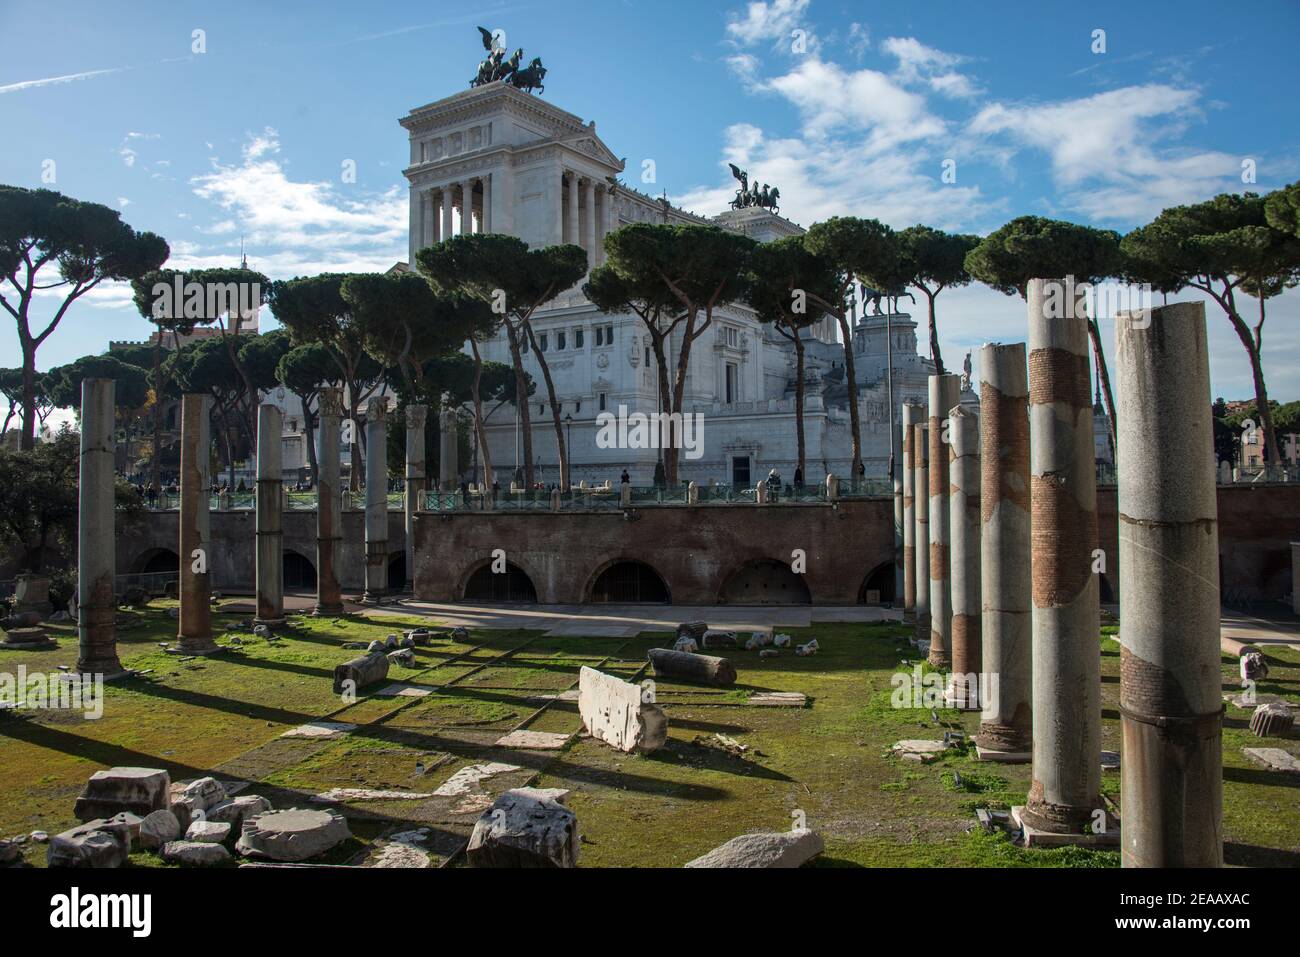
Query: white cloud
x=918 y=63
x=1106 y=150
x=296 y=227
x=767 y=21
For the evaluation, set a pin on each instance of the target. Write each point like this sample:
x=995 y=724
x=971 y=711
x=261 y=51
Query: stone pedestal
x=1005 y=546
x=416 y=416
x=96 y=546
x=1171 y=707
x=194 y=635
x=329 y=505
x=1066 y=791
x=945 y=392
x=376 y=500
x=32 y=593
x=270 y=503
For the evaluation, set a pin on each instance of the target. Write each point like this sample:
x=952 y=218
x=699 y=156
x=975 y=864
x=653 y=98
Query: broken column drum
x=1171 y=709
x=1065 y=791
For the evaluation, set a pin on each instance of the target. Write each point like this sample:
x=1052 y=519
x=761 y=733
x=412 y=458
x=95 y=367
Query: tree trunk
x=555 y=409
x=1103 y=374
x=851 y=379
x=1229 y=304
x=934 y=334
x=521 y=403
x=671 y=457
x=28 y=439
x=484 y=454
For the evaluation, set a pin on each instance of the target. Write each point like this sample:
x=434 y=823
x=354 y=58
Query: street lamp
x=565 y=479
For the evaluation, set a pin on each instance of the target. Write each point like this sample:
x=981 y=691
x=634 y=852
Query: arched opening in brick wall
x=156 y=561
x=299 y=572
x=765 y=582
x=628 y=581
x=878 y=587
x=511 y=585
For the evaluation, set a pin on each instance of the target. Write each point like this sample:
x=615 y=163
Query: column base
x=1002 y=757
x=109 y=669
x=328 y=611
x=374 y=599
x=271 y=622
x=1034 y=836
x=191 y=647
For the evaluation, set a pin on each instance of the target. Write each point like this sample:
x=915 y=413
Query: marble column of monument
x=1170 y=704
x=329 y=504
x=448 y=467
x=1065 y=797
x=269 y=561
x=589 y=197
x=416 y=415
x=911 y=415
x=921 y=507
x=1005 y=545
x=964 y=516
x=571 y=217
x=486 y=219
x=194 y=634
x=448 y=208
x=467 y=207
x=96 y=549
x=376 y=500
x=945 y=392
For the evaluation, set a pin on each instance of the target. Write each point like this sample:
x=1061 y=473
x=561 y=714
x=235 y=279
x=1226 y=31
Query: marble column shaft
x=416 y=416
x=376 y=499
x=1171 y=709
x=911 y=415
x=1066 y=783
x=269 y=568
x=921 y=508
x=1005 y=547
x=194 y=634
x=329 y=505
x=945 y=392
x=96 y=537
x=964 y=515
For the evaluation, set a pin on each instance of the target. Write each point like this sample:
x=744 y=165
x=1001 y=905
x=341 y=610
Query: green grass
x=828 y=764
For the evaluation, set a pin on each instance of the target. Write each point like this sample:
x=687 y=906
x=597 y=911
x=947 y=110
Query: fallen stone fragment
x=109 y=792
x=157 y=828
x=779 y=699
x=403 y=657
x=335 y=795
x=403 y=690
x=460 y=633
x=207 y=832
x=376 y=647
x=1273 y=720
x=132 y=822
x=237 y=810
x=768 y=653
x=292 y=835
x=403 y=850
x=702 y=669
x=525 y=827
x=920 y=750
x=533 y=740
x=1275 y=759
x=356 y=674
x=613 y=711
x=28 y=639
x=1110 y=760
x=759 y=639
x=775 y=849
x=714 y=638
x=807 y=650
x=40 y=837
x=194 y=853
x=320 y=729
x=390 y=642
x=11 y=852
x=468 y=777
x=419 y=636
x=782 y=640
x=687 y=644
x=97 y=843
x=692 y=629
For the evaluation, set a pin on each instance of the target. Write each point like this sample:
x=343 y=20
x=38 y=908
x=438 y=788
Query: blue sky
x=853 y=114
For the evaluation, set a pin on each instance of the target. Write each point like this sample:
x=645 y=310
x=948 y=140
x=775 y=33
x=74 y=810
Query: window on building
x=740 y=470
x=577 y=338
x=731 y=382
x=559 y=340
x=542 y=343
x=733 y=336
x=602 y=402
x=577 y=406
x=600 y=335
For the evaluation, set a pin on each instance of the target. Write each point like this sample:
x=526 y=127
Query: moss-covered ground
x=827 y=764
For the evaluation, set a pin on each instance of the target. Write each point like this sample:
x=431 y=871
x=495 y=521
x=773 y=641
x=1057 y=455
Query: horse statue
x=530 y=77
x=488 y=67
x=742 y=194
x=774 y=201
x=510 y=67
